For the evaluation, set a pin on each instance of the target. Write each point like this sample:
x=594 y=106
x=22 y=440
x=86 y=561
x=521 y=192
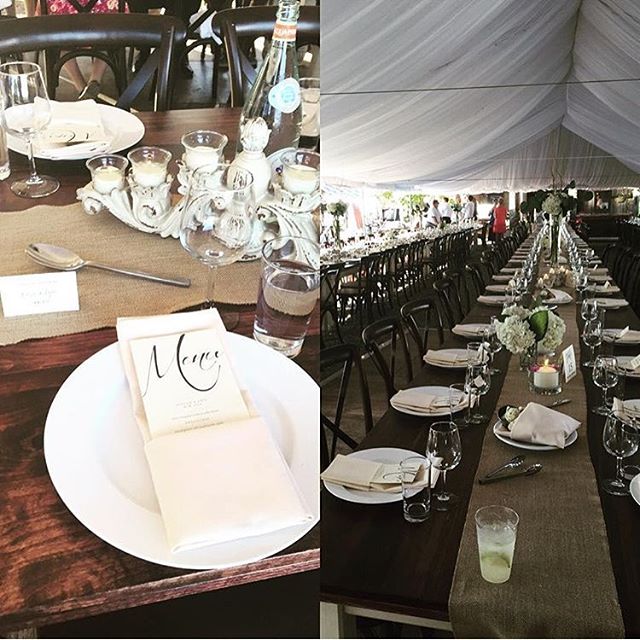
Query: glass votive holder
x=203 y=148
x=301 y=172
x=107 y=172
x=149 y=165
x=545 y=377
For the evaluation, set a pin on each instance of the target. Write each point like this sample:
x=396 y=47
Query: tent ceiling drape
x=481 y=96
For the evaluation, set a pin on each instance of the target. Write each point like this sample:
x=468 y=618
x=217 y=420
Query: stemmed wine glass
x=592 y=337
x=589 y=309
x=444 y=451
x=493 y=344
x=605 y=376
x=621 y=439
x=477 y=383
x=217 y=221
x=23 y=98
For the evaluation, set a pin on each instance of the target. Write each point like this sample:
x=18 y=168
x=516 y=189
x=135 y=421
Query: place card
x=622 y=333
x=569 y=362
x=38 y=293
x=186 y=381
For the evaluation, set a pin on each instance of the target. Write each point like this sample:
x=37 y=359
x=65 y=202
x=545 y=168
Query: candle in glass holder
x=300 y=178
x=201 y=157
x=203 y=148
x=546 y=376
x=149 y=165
x=107 y=178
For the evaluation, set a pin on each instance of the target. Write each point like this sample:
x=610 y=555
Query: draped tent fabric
x=480 y=96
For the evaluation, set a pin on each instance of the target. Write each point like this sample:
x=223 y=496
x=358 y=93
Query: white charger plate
x=125 y=129
x=472 y=330
x=632 y=337
x=434 y=391
x=460 y=364
x=559 y=297
x=622 y=361
x=612 y=303
x=386 y=455
x=528 y=445
x=95 y=457
x=634 y=488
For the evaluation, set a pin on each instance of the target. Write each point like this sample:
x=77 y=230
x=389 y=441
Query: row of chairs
x=396 y=343
x=106 y=36
x=623 y=261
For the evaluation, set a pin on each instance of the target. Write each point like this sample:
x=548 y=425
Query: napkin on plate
x=367 y=475
x=497 y=288
x=558 y=297
x=470 y=329
x=630 y=337
x=445 y=357
x=211 y=482
x=540 y=425
x=492 y=300
x=75 y=128
x=419 y=400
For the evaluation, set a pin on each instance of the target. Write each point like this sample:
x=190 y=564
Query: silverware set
x=511 y=469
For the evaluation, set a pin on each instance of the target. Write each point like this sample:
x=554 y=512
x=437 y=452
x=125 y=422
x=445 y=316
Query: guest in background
x=446 y=211
x=491 y=219
x=434 y=219
x=500 y=214
x=469 y=211
x=88 y=89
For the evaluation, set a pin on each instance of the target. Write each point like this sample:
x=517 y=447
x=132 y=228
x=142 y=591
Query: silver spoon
x=529 y=471
x=511 y=464
x=48 y=255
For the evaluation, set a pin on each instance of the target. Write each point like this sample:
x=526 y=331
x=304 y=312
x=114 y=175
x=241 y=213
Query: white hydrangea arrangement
x=552 y=204
x=523 y=328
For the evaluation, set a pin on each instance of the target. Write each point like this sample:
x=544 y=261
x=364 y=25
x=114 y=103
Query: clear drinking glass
x=5 y=167
x=24 y=100
x=416 y=502
x=477 y=383
x=592 y=337
x=457 y=395
x=493 y=344
x=621 y=439
x=605 y=376
x=444 y=451
x=589 y=309
x=310 y=130
x=496 y=528
x=217 y=220
x=289 y=290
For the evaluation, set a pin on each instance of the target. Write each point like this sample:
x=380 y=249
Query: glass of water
x=289 y=289
x=496 y=528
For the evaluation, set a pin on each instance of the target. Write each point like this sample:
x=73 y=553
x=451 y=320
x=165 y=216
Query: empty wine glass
x=621 y=439
x=605 y=376
x=457 y=396
x=592 y=337
x=24 y=100
x=444 y=451
x=493 y=344
x=589 y=309
x=217 y=220
x=477 y=383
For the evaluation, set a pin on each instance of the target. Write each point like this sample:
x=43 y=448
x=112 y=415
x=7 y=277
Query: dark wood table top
x=53 y=569
x=372 y=558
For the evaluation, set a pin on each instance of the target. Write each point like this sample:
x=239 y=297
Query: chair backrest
x=251 y=23
x=387 y=332
x=341 y=360
x=420 y=317
x=103 y=31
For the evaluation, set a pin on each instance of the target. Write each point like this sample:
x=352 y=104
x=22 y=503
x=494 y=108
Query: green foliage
x=539 y=321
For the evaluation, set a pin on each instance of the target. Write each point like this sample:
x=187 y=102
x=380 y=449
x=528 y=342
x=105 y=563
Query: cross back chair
x=249 y=23
x=421 y=318
x=342 y=359
x=75 y=32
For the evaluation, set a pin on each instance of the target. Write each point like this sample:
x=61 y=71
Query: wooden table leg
x=335 y=622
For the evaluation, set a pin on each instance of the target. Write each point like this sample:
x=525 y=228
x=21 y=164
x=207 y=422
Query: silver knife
x=559 y=403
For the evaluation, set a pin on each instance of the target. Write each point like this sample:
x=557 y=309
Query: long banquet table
x=376 y=565
x=53 y=569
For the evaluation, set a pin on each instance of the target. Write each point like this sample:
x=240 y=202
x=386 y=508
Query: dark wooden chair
x=342 y=360
x=421 y=317
x=73 y=33
x=249 y=23
x=449 y=302
x=388 y=332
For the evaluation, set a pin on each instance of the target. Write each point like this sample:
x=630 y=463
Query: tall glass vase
x=555 y=240
x=336 y=233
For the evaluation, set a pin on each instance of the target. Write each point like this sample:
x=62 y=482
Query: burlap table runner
x=105 y=296
x=562 y=583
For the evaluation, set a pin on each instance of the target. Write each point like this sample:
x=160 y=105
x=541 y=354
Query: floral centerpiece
x=523 y=330
x=337 y=210
x=553 y=206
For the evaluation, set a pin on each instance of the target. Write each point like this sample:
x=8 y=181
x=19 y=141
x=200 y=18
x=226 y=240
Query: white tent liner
x=481 y=96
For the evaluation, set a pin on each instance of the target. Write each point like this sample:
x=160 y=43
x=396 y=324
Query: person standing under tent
x=446 y=211
x=500 y=214
x=469 y=209
x=434 y=219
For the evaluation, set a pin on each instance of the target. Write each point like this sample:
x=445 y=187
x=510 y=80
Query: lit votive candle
x=201 y=157
x=203 y=148
x=149 y=174
x=300 y=178
x=546 y=376
x=107 y=172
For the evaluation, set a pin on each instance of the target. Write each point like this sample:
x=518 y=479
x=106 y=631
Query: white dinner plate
x=492 y=301
x=623 y=361
x=438 y=413
x=612 y=303
x=95 y=457
x=509 y=270
x=559 y=297
x=125 y=129
x=634 y=488
x=472 y=330
x=503 y=278
x=632 y=407
x=601 y=289
x=631 y=337
x=601 y=278
x=497 y=288
x=386 y=455
x=530 y=446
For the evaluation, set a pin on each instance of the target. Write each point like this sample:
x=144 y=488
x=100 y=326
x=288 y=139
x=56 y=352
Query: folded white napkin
x=600 y=278
x=598 y=271
x=418 y=399
x=497 y=288
x=540 y=425
x=366 y=475
x=499 y=278
x=558 y=297
x=470 y=329
x=612 y=303
x=75 y=128
x=219 y=483
x=492 y=300
x=630 y=337
x=446 y=356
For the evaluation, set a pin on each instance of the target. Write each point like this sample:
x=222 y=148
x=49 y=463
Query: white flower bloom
x=515 y=334
x=511 y=414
